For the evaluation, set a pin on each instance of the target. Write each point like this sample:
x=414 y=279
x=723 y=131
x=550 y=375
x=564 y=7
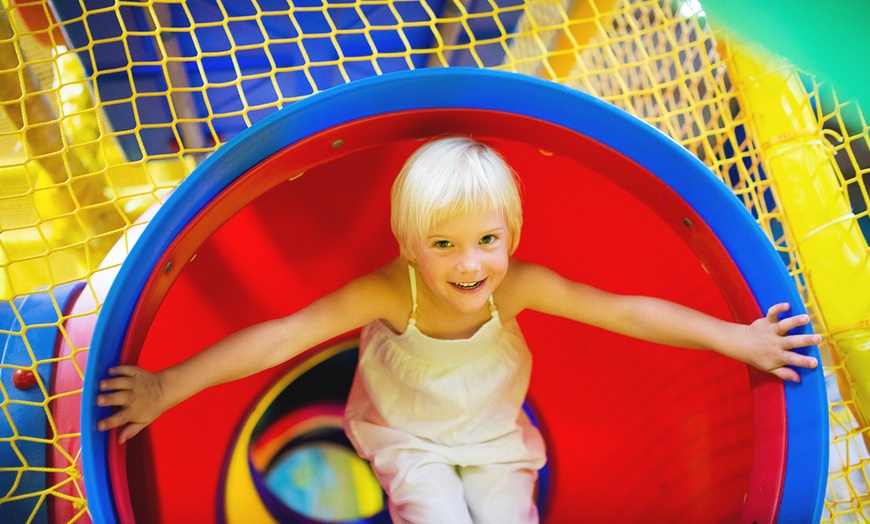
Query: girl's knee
x=428 y=493
x=501 y=493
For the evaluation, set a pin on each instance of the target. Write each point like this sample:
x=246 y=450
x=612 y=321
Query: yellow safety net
x=107 y=106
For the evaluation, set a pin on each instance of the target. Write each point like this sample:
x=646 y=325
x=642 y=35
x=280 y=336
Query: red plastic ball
x=23 y=379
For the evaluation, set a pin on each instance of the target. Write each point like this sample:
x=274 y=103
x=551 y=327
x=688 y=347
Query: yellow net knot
x=73 y=473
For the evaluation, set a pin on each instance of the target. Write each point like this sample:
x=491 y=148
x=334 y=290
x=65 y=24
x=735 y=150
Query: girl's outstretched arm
x=764 y=344
x=140 y=396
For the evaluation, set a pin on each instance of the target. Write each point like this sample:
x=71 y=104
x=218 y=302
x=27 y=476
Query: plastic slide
x=298 y=204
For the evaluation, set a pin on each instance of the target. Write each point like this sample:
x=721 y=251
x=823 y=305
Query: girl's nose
x=469 y=261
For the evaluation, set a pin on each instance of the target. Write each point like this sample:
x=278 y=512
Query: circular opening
x=298 y=458
x=323 y=481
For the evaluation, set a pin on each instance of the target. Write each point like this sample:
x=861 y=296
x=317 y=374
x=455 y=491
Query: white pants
x=422 y=489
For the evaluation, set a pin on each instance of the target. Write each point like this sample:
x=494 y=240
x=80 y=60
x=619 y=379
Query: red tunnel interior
x=636 y=432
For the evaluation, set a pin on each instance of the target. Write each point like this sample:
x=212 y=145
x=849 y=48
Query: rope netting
x=107 y=106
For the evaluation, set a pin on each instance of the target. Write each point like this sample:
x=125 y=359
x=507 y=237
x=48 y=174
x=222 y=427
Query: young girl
x=436 y=403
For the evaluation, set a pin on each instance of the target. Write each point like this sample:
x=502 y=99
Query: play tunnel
x=298 y=204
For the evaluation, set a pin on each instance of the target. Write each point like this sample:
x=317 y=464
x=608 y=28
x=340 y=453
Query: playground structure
x=620 y=53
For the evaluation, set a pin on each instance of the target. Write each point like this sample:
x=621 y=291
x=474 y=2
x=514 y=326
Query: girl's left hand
x=770 y=347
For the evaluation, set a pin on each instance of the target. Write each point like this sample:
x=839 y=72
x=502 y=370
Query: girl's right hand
x=137 y=395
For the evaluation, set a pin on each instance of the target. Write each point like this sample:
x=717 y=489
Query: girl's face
x=464 y=259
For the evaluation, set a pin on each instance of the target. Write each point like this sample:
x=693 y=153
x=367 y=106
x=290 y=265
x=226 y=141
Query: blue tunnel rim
x=469 y=88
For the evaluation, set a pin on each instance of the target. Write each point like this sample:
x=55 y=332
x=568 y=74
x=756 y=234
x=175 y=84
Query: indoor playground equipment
x=301 y=167
x=111 y=252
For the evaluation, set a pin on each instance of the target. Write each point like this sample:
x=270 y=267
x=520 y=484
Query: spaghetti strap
x=493 y=309
x=412 y=275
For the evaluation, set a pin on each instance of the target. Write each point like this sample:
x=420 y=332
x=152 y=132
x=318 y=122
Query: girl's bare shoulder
x=523 y=275
x=391 y=275
x=389 y=290
x=520 y=283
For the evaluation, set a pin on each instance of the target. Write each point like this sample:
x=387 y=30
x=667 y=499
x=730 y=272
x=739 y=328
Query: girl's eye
x=488 y=239
x=441 y=244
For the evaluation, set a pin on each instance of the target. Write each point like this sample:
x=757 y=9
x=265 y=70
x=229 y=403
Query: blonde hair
x=448 y=177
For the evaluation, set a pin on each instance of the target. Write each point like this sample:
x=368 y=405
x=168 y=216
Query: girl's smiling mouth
x=468 y=286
